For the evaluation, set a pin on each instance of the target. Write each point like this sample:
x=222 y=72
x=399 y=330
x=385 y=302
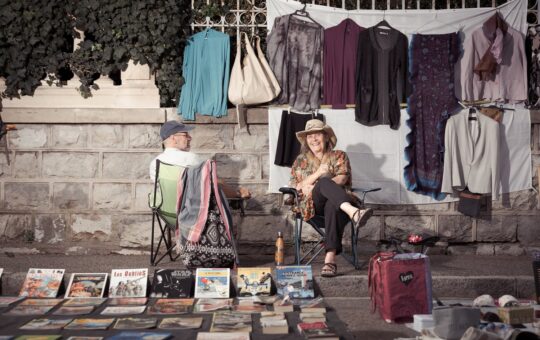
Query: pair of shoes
x=329 y=270
x=365 y=214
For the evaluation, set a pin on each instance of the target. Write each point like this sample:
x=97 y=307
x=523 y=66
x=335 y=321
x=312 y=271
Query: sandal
x=329 y=270
x=365 y=214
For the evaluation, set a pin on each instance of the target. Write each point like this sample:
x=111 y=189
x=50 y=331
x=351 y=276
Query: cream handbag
x=252 y=81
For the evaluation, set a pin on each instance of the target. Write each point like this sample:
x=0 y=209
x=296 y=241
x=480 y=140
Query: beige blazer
x=468 y=161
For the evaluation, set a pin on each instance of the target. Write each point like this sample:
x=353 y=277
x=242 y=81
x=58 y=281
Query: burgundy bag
x=400 y=285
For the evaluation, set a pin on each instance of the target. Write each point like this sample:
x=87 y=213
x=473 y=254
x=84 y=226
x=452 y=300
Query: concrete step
x=464 y=276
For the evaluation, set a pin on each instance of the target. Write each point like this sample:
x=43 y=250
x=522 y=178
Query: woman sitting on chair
x=322 y=177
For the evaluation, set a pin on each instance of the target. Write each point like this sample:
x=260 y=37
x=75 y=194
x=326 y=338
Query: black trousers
x=327 y=197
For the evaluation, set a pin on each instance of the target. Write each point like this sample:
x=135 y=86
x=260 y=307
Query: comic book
x=42 y=324
x=171 y=306
x=86 y=285
x=135 y=323
x=140 y=336
x=29 y=310
x=77 y=310
x=128 y=282
x=294 y=281
x=254 y=281
x=72 y=302
x=8 y=300
x=211 y=305
x=172 y=283
x=123 y=310
x=181 y=323
x=42 y=283
x=127 y=301
x=90 y=324
x=231 y=322
x=212 y=283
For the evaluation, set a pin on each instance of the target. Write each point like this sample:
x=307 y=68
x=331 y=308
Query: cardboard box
x=516 y=315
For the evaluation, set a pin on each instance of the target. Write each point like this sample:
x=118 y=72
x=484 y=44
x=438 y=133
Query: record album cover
x=212 y=283
x=254 y=281
x=42 y=283
x=128 y=282
x=86 y=285
x=172 y=283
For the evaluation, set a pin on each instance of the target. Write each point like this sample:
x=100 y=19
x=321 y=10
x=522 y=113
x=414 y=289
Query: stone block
x=445 y=206
x=25 y=165
x=28 y=136
x=349 y=286
x=261 y=201
x=238 y=166
x=472 y=286
x=134 y=231
x=144 y=136
x=50 y=228
x=133 y=165
x=70 y=136
x=71 y=195
x=212 y=137
x=5 y=168
x=525 y=288
x=462 y=250
x=141 y=196
x=497 y=229
x=401 y=226
x=15 y=227
x=372 y=229
x=256 y=139
x=22 y=196
x=263 y=228
x=485 y=249
x=455 y=228
x=91 y=227
x=70 y=164
x=113 y=196
x=519 y=200
x=107 y=136
x=265 y=166
x=513 y=249
x=528 y=230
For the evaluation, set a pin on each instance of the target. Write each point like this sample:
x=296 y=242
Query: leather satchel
x=252 y=81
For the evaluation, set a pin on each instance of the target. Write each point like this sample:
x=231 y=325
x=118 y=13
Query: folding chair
x=163 y=204
x=317 y=223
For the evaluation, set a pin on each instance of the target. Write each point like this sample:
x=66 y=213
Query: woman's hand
x=323 y=170
x=306 y=189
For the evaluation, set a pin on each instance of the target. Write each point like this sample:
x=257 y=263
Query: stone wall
x=82 y=186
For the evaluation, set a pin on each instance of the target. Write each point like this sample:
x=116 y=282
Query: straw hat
x=315 y=125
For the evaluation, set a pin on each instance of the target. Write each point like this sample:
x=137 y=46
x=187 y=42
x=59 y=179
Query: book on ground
x=46 y=324
x=8 y=300
x=231 y=322
x=249 y=307
x=141 y=336
x=283 y=306
x=29 y=310
x=223 y=336
x=123 y=310
x=128 y=282
x=127 y=301
x=135 y=323
x=212 y=283
x=274 y=323
x=312 y=317
x=294 y=281
x=181 y=323
x=77 y=337
x=86 y=285
x=254 y=281
x=72 y=302
x=90 y=323
x=76 y=310
x=172 y=283
x=38 y=337
x=42 y=283
x=40 y=302
x=316 y=330
x=211 y=305
x=171 y=306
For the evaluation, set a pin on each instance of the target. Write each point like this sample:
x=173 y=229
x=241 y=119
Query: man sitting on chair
x=176 y=140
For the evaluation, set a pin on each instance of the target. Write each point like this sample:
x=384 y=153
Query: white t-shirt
x=176 y=157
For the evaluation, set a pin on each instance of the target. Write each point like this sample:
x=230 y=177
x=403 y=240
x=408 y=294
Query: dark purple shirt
x=340 y=48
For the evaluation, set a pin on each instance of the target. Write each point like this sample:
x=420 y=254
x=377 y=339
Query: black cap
x=171 y=127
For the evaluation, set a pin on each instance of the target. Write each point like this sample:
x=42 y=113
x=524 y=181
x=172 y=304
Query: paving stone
x=455 y=228
x=497 y=229
x=71 y=196
x=525 y=288
x=133 y=165
x=401 y=226
x=28 y=136
x=513 y=249
x=257 y=139
x=107 y=136
x=50 y=228
x=212 y=137
x=471 y=287
x=238 y=166
x=528 y=230
x=144 y=136
x=69 y=136
x=349 y=286
x=113 y=196
x=23 y=195
x=70 y=164
x=469 y=249
x=25 y=165
x=91 y=227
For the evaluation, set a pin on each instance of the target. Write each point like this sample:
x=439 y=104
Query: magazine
x=86 y=285
x=127 y=301
x=171 y=283
x=249 y=308
x=212 y=283
x=181 y=323
x=90 y=324
x=294 y=281
x=8 y=300
x=211 y=305
x=38 y=337
x=123 y=310
x=40 y=302
x=223 y=336
x=76 y=337
x=42 y=324
x=231 y=322
x=254 y=281
x=135 y=323
x=83 y=301
x=128 y=282
x=76 y=310
x=171 y=306
x=141 y=336
x=29 y=310
x=42 y=282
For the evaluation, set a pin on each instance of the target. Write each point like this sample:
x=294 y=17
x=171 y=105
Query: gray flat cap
x=171 y=127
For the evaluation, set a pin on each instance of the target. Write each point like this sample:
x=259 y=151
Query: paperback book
x=274 y=323
x=171 y=283
x=212 y=305
x=84 y=302
x=283 y=305
x=254 y=281
x=76 y=310
x=181 y=323
x=86 y=285
x=123 y=310
x=141 y=336
x=128 y=282
x=128 y=301
x=212 y=283
x=171 y=306
x=8 y=300
x=294 y=281
x=135 y=323
x=249 y=308
x=29 y=310
x=46 y=324
x=317 y=330
x=42 y=283
x=88 y=324
x=223 y=336
x=231 y=322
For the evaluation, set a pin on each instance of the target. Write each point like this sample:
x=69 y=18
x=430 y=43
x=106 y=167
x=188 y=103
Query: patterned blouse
x=306 y=164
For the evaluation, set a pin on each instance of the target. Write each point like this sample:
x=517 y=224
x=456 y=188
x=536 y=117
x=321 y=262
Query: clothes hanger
x=472 y=113
x=304 y=14
x=383 y=23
